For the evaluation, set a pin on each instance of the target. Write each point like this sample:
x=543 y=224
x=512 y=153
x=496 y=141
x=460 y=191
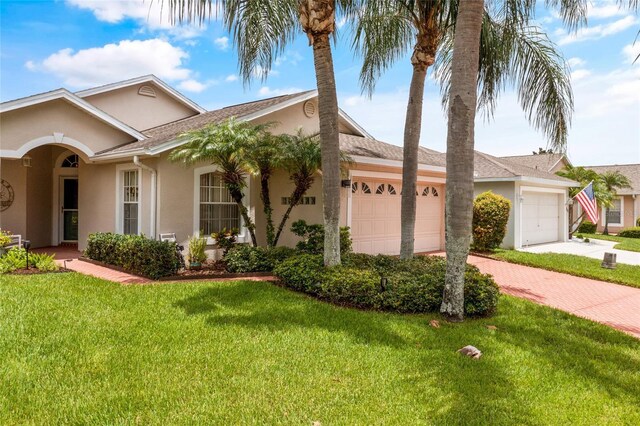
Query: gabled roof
x=631 y=171
x=488 y=168
x=358 y=146
x=78 y=102
x=544 y=162
x=162 y=138
x=143 y=79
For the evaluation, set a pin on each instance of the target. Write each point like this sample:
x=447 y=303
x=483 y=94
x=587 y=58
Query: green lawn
x=78 y=350
x=629 y=244
x=581 y=266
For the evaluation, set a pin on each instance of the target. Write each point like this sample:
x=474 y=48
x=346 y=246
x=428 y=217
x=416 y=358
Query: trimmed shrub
x=490 y=217
x=638 y=222
x=197 y=246
x=246 y=258
x=16 y=258
x=313 y=237
x=386 y=283
x=630 y=232
x=587 y=227
x=135 y=253
x=303 y=272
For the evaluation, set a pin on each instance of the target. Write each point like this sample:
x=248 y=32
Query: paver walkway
x=615 y=305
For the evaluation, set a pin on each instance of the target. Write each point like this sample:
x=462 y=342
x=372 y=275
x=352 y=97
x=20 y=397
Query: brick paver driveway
x=615 y=305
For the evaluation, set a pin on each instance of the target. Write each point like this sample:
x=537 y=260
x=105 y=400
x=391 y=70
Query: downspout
x=136 y=161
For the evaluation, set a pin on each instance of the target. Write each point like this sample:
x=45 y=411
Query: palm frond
x=572 y=12
x=524 y=57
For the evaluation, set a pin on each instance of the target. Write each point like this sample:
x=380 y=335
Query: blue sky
x=79 y=43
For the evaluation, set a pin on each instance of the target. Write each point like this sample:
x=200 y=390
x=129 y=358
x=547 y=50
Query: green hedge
x=135 y=253
x=386 y=283
x=587 y=227
x=490 y=217
x=630 y=232
x=246 y=258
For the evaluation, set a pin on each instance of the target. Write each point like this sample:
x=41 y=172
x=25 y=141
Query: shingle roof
x=167 y=132
x=373 y=148
x=536 y=161
x=487 y=166
x=631 y=171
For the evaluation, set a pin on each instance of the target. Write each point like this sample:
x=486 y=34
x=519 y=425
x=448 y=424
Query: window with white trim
x=615 y=212
x=130 y=202
x=218 y=211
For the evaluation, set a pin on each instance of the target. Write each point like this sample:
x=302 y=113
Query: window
x=425 y=192
x=303 y=201
x=217 y=209
x=354 y=187
x=380 y=189
x=365 y=188
x=391 y=189
x=434 y=192
x=130 y=201
x=615 y=212
x=70 y=161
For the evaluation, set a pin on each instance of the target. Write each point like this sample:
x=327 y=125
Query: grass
x=629 y=244
x=76 y=349
x=572 y=264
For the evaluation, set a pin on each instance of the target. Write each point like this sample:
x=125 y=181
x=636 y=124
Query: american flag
x=587 y=200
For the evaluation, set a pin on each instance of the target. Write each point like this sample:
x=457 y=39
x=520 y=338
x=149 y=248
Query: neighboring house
x=96 y=160
x=626 y=205
x=538 y=197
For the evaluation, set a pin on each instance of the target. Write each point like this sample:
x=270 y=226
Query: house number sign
x=6 y=195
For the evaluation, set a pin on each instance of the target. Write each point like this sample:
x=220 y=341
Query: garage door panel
x=540 y=218
x=376 y=219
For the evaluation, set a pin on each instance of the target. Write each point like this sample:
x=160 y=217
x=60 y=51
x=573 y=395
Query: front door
x=69 y=209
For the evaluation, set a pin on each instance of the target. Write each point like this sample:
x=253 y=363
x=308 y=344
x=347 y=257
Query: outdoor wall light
x=26 y=161
x=27 y=245
x=345 y=183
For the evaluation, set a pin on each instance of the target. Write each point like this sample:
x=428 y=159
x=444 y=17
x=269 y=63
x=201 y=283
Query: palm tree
x=511 y=50
x=302 y=159
x=611 y=182
x=460 y=140
x=263 y=157
x=261 y=29
x=225 y=145
x=583 y=177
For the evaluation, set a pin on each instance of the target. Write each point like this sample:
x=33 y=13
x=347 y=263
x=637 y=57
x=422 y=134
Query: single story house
x=539 y=198
x=626 y=205
x=97 y=160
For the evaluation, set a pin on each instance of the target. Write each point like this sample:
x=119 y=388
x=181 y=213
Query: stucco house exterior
x=539 y=210
x=626 y=205
x=97 y=160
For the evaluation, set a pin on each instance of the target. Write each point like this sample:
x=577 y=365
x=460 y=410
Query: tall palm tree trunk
x=460 y=141
x=265 y=196
x=421 y=59
x=330 y=146
x=605 y=231
x=318 y=21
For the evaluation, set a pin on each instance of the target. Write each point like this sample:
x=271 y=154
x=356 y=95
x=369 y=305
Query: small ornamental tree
x=490 y=217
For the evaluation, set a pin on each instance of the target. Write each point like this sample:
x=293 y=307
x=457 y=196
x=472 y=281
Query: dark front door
x=69 y=209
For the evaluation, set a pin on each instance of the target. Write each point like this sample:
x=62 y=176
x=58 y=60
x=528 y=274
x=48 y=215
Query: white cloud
x=222 y=43
x=151 y=14
x=115 y=62
x=631 y=52
x=265 y=91
x=576 y=62
x=30 y=65
x=579 y=75
x=604 y=128
x=604 y=9
x=192 y=85
x=231 y=78
x=597 y=31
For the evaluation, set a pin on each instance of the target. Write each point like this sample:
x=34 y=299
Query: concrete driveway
x=595 y=249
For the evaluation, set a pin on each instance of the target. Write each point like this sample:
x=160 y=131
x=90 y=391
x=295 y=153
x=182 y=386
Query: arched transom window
x=70 y=161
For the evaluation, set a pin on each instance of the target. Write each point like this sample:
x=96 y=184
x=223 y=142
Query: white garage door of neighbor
x=540 y=218
x=375 y=217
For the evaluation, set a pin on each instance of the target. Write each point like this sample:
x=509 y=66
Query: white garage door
x=375 y=217
x=540 y=218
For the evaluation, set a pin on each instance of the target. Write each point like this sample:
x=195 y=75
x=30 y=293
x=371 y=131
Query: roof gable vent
x=309 y=108
x=147 y=91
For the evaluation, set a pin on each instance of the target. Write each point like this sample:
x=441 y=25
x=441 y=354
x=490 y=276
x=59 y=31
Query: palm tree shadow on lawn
x=483 y=386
